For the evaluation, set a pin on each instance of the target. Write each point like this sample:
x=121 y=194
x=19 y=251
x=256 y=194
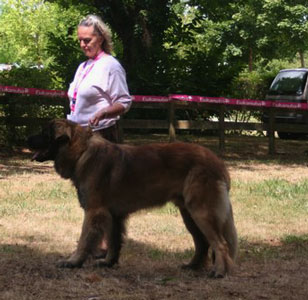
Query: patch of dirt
x=26 y=273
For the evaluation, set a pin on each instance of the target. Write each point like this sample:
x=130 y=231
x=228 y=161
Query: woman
x=99 y=93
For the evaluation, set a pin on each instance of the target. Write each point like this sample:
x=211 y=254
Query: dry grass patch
x=40 y=222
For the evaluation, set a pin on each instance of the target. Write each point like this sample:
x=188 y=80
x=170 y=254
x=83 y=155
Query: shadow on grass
x=238 y=149
x=23 y=255
x=147 y=272
x=289 y=247
x=18 y=162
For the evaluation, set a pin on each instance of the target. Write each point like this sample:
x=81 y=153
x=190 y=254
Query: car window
x=289 y=83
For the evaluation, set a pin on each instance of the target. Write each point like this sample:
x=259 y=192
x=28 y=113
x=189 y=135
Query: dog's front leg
x=91 y=234
x=114 y=231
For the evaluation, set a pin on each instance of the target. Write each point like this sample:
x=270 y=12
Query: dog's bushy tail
x=230 y=235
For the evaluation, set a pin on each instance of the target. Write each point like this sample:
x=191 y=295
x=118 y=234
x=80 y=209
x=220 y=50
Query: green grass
x=40 y=198
x=272 y=197
x=168 y=209
x=294 y=239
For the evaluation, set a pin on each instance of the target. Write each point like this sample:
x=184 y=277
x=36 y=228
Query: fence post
x=271 y=131
x=172 y=135
x=10 y=114
x=222 y=128
x=66 y=107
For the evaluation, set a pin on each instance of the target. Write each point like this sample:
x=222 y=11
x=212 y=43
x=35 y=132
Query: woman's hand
x=100 y=115
x=112 y=111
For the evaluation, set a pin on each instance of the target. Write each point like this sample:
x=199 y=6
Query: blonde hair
x=101 y=29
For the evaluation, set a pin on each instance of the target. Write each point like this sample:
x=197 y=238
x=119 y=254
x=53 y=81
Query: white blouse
x=99 y=84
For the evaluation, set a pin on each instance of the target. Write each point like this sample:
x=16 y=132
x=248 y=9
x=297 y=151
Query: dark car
x=290 y=85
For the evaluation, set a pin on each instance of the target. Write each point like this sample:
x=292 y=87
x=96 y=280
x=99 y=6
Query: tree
x=247 y=29
x=36 y=33
x=266 y=30
x=286 y=23
x=140 y=26
x=188 y=46
x=63 y=45
x=23 y=28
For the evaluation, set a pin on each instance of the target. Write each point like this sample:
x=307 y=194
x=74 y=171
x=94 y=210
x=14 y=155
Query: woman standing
x=99 y=93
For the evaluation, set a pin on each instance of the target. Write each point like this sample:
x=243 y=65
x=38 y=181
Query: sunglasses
x=86 y=40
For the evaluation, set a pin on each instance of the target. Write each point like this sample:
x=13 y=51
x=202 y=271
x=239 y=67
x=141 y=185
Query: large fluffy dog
x=114 y=181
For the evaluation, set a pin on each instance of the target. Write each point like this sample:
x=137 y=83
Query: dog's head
x=55 y=135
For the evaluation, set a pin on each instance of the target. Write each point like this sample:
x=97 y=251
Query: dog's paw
x=191 y=266
x=99 y=254
x=101 y=263
x=216 y=275
x=68 y=264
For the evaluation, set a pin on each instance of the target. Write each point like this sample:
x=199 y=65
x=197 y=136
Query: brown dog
x=115 y=180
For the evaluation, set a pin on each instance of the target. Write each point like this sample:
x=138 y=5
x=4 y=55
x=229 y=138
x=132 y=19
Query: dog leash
x=82 y=74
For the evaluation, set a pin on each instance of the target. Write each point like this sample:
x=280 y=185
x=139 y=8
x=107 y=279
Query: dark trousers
x=111 y=133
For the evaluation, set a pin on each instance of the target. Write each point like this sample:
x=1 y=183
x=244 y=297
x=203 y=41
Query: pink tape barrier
x=32 y=91
x=164 y=99
x=245 y=102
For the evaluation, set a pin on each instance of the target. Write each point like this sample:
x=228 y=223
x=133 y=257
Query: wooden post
x=271 y=131
x=66 y=107
x=172 y=134
x=10 y=121
x=222 y=128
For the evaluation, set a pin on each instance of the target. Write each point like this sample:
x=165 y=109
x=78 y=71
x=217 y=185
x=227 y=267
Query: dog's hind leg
x=210 y=208
x=200 y=242
x=115 y=237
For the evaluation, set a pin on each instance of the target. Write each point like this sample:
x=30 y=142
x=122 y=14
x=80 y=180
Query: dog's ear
x=62 y=139
x=61 y=132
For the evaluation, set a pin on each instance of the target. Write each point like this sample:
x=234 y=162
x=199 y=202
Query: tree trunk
x=302 y=58
x=250 y=66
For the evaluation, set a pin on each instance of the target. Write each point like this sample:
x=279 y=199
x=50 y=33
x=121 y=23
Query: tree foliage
x=180 y=46
x=140 y=26
x=24 y=27
x=289 y=22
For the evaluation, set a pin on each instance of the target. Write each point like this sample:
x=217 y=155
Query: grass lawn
x=40 y=222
